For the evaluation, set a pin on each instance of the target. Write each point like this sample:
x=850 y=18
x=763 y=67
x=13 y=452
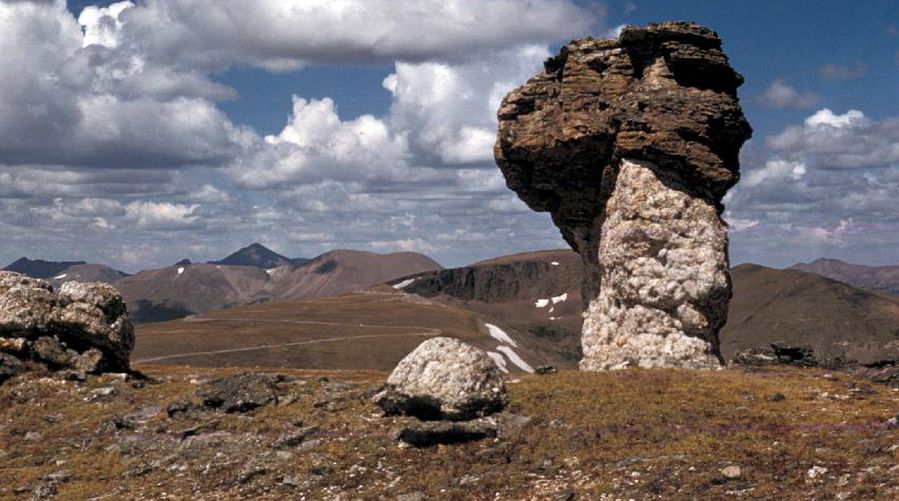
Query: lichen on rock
x=631 y=144
x=444 y=378
x=84 y=327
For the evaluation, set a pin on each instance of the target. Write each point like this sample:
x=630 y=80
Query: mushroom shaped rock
x=631 y=144
x=444 y=378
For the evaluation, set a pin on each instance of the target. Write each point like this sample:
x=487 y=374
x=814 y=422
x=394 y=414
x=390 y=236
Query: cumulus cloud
x=448 y=110
x=780 y=95
x=846 y=141
x=111 y=127
x=317 y=145
x=775 y=170
x=827 y=188
x=286 y=35
x=438 y=134
x=65 y=103
x=162 y=216
x=103 y=25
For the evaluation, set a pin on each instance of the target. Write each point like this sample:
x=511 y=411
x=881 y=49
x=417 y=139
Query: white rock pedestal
x=665 y=284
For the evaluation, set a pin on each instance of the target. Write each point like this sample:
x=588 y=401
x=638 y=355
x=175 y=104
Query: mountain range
x=252 y=274
x=881 y=278
x=838 y=309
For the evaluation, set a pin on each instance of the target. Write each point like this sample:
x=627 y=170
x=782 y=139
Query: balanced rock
x=84 y=327
x=631 y=144
x=444 y=378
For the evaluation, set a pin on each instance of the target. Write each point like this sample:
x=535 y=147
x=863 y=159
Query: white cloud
x=774 y=170
x=162 y=216
x=317 y=145
x=103 y=25
x=834 y=235
x=282 y=35
x=828 y=118
x=614 y=32
x=780 y=95
x=737 y=225
x=209 y=194
x=846 y=141
x=64 y=103
x=449 y=110
x=403 y=245
x=110 y=125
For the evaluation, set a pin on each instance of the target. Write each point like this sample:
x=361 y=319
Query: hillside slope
x=802 y=308
x=374 y=329
x=38 y=268
x=87 y=273
x=342 y=271
x=537 y=293
x=768 y=305
x=179 y=291
x=882 y=278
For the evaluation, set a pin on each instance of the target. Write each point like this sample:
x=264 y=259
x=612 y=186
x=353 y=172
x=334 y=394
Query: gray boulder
x=84 y=327
x=241 y=392
x=9 y=366
x=444 y=378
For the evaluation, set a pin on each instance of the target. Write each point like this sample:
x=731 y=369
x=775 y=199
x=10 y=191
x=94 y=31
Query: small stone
x=776 y=397
x=250 y=473
x=9 y=366
x=102 y=394
x=732 y=472
x=566 y=494
x=296 y=438
x=59 y=476
x=544 y=370
x=179 y=408
x=816 y=471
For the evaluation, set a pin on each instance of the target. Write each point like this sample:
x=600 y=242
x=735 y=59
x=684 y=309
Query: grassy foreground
x=634 y=434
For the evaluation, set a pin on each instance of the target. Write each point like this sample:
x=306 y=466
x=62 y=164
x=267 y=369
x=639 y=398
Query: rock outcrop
x=84 y=327
x=446 y=379
x=631 y=144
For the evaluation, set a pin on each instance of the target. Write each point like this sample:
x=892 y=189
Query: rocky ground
x=763 y=433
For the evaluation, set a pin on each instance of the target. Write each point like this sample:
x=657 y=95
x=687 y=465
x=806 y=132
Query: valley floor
x=634 y=434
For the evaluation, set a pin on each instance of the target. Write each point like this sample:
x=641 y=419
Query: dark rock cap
x=664 y=93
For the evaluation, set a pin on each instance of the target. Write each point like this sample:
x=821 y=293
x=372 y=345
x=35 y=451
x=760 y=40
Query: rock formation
x=84 y=327
x=630 y=144
x=444 y=378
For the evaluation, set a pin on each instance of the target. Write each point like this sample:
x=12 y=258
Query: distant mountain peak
x=259 y=256
x=38 y=268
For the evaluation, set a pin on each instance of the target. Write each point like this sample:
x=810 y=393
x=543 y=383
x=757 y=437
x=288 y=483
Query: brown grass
x=372 y=330
x=640 y=434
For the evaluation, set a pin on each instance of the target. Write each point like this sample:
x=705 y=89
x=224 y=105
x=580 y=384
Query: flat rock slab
x=241 y=392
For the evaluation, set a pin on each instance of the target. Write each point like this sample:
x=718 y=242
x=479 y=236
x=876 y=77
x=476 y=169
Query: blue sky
x=136 y=135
